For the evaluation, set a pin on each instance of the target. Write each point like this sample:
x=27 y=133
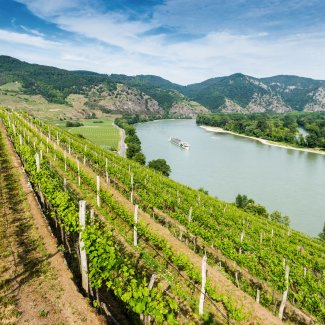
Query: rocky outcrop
x=258 y=104
x=267 y=103
x=187 y=109
x=231 y=107
x=127 y=100
x=318 y=104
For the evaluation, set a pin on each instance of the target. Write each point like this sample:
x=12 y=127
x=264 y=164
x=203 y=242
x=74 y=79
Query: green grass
x=104 y=134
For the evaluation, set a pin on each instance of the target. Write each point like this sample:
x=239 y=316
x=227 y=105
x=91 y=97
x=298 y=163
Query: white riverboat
x=180 y=143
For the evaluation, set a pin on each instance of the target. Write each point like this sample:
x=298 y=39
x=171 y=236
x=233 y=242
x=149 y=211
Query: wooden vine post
x=204 y=279
x=83 y=256
x=78 y=167
x=147 y=319
x=98 y=189
x=258 y=296
x=92 y=216
x=241 y=240
x=37 y=162
x=65 y=161
x=106 y=172
x=190 y=215
x=135 y=230
x=131 y=195
x=285 y=293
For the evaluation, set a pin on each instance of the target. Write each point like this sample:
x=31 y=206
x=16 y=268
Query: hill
x=242 y=93
x=153 y=95
x=85 y=91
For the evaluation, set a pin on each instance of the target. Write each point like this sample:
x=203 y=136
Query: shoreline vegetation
x=264 y=141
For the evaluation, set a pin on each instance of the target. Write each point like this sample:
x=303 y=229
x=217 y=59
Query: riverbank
x=264 y=141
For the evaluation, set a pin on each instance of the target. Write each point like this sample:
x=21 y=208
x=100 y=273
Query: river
x=287 y=180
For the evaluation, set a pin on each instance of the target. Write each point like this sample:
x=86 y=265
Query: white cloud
x=27 y=39
x=32 y=31
x=51 y=8
x=113 y=44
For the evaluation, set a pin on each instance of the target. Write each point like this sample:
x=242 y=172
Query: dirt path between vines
x=36 y=286
x=257 y=313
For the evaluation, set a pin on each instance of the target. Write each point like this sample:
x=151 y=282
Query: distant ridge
x=234 y=93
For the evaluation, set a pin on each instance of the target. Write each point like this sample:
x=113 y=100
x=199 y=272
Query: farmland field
x=101 y=132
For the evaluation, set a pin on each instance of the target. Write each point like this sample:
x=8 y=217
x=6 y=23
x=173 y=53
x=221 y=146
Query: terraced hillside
x=35 y=284
x=146 y=238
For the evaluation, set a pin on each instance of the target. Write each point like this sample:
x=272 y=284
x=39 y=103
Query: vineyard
x=157 y=251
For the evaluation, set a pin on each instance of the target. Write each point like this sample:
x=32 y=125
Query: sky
x=184 y=41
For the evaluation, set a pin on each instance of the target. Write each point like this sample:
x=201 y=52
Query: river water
x=287 y=180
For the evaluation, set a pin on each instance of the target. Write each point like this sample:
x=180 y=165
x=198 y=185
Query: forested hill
x=96 y=91
x=242 y=93
x=148 y=94
x=52 y=83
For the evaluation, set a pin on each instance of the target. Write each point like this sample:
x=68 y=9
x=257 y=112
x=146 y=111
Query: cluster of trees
x=73 y=124
x=133 y=142
x=161 y=166
x=322 y=234
x=275 y=127
x=314 y=124
x=249 y=205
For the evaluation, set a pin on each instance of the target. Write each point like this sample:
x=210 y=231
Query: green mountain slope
x=163 y=91
x=297 y=92
x=238 y=92
x=52 y=83
x=116 y=93
x=149 y=94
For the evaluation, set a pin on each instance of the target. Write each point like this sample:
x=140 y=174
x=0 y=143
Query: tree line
x=249 y=205
x=134 y=150
x=275 y=127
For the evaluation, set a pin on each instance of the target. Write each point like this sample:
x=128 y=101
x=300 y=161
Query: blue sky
x=185 y=41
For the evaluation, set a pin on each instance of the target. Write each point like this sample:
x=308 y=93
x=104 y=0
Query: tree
x=322 y=234
x=257 y=209
x=160 y=165
x=242 y=201
x=201 y=189
x=140 y=158
x=132 y=150
x=278 y=217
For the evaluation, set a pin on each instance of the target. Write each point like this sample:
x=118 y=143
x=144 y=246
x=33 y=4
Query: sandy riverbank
x=267 y=142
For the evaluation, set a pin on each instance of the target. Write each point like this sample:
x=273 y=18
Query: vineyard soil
x=36 y=286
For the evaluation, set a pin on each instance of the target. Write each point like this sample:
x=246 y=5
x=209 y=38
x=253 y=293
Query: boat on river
x=180 y=143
